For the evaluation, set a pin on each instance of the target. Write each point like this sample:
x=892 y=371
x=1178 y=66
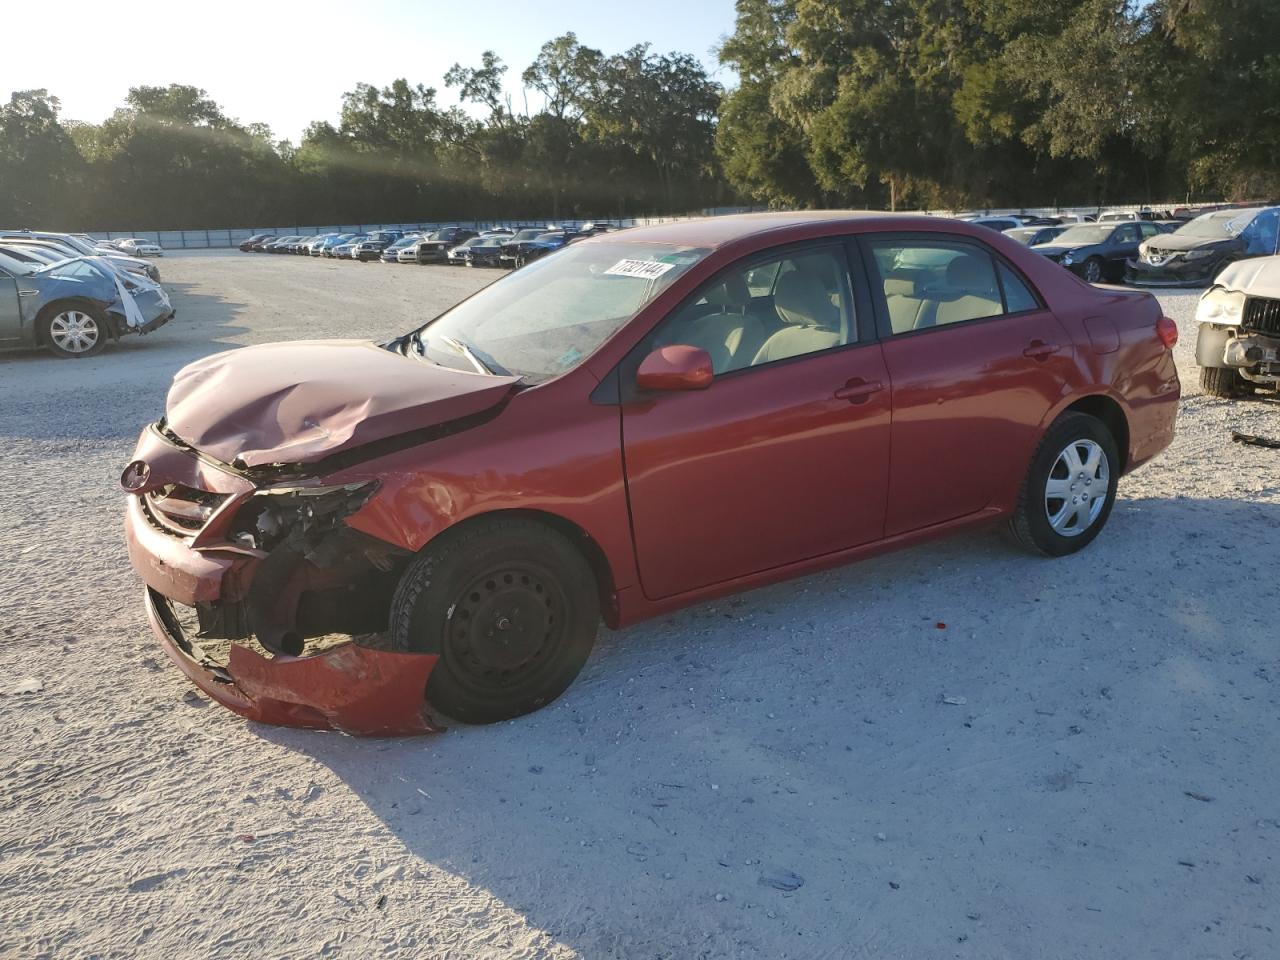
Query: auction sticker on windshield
x=646 y=269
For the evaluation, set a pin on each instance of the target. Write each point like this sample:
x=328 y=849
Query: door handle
x=1040 y=350
x=859 y=390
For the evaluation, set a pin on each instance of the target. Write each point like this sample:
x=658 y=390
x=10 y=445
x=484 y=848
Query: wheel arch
x=1108 y=410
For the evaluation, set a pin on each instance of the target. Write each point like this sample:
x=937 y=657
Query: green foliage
x=879 y=103
x=995 y=102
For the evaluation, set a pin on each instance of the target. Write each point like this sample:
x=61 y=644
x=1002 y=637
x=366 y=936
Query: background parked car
x=246 y=244
x=371 y=247
x=435 y=247
x=75 y=247
x=391 y=253
x=346 y=249
x=513 y=248
x=1197 y=251
x=1030 y=236
x=1238 y=343
x=324 y=248
x=1098 y=251
x=75 y=306
x=481 y=252
x=140 y=248
x=999 y=224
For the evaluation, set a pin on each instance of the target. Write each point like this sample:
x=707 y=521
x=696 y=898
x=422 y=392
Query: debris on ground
x=784 y=880
x=1254 y=440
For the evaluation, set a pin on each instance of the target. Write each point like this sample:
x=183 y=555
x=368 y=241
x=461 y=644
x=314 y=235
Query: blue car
x=74 y=306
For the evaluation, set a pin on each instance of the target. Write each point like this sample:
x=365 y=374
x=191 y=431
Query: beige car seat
x=812 y=320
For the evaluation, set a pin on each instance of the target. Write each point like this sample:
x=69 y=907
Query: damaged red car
x=377 y=537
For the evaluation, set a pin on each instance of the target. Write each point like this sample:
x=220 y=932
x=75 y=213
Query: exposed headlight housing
x=273 y=513
x=1225 y=307
x=1068 y=259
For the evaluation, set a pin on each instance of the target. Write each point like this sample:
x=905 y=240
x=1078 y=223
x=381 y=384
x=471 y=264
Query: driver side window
x=767 y=310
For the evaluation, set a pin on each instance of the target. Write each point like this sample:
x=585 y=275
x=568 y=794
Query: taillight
x=1167 y=331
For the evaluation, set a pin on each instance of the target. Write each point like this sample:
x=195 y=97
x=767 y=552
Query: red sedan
x=373 y=537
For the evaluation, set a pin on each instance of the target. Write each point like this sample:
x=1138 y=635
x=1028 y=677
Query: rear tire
x=512 y=609
x=1223 y=382
x=1069 y=489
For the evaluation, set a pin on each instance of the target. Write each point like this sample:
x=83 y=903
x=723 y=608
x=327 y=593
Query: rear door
x=784 y=456
x=976 y=361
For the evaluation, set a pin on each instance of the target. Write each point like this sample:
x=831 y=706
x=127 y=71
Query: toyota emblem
x=135 y=476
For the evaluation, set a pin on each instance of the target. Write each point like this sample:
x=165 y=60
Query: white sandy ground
x=800 y=728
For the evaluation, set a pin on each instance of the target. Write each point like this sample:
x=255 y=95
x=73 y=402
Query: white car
x=1238 y=343
x=140 y=248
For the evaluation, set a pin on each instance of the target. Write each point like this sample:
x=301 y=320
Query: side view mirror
x=677 y=367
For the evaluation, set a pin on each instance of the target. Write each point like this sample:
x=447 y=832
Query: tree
x=40 y=166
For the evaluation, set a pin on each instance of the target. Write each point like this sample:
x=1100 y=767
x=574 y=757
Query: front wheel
x=1070 y=487
x=1093 y=270
x=75 y=328
x=511 y=607
x=1223 y=382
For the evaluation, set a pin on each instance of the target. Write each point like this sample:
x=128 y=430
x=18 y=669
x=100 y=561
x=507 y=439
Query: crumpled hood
x=300 y=401
x=1257 y=277
x=1184 y=241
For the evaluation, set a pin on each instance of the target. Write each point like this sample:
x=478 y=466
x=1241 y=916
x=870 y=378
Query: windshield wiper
x=467 y=352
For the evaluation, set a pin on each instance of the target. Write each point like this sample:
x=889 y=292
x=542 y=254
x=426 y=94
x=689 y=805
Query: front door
x=10 y=312
x=976 y=362
x=784 y=456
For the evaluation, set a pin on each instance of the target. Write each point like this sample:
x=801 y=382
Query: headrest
x=968 y=271
x=730 y=292
x=899 y=287
x=801 y=300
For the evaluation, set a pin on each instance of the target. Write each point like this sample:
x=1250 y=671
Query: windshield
x=1085 y=233
x=1221 y=225
x=528 y=234
x=542 y=320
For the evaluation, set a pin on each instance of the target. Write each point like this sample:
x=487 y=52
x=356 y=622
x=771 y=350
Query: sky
x=288 y=64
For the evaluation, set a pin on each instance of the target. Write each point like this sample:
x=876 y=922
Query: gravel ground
x=1106 y=786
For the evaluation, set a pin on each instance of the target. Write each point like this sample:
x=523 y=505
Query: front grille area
x=1262 y=316
x=182 y=510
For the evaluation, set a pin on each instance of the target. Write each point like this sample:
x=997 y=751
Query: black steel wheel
x=512 y=608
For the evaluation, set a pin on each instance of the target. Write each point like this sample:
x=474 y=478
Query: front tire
x=1092 y=270
x=74 y=329
x=511 y=607
x=1069 y=489
x=1224 y=382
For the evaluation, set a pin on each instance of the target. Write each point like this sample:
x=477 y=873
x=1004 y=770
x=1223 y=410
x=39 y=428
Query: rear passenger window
x=933 y=283
x=1016 y=295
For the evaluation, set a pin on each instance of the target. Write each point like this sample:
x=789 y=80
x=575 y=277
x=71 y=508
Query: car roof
x=718 y=231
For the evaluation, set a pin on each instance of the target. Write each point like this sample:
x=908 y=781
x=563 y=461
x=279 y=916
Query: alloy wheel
x=1076 y=490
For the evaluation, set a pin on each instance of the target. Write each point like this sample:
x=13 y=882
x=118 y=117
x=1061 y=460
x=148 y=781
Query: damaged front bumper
x=255 y=606
x=350 y=688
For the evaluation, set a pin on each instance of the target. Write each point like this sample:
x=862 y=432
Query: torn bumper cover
x=276 y=596
x=350 y=688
